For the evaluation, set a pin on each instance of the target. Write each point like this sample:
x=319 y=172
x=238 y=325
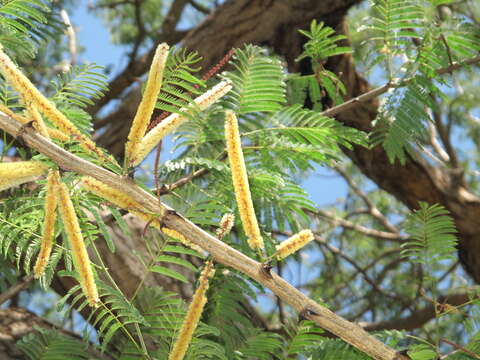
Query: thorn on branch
x=306 y=313
x=266 y=269
x=22 y=130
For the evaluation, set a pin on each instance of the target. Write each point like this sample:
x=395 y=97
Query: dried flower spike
x=32 y=95
x=77 y=245
x=149 y=99
x=226 y=225
x=19 y=172
x=240 y=182
x=193 y=315
x=50 y=208
x=294 y=243
x=175 y=120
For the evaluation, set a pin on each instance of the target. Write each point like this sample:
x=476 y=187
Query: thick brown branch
x=221 y=252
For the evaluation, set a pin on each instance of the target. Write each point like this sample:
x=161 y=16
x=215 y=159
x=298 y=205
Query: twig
x=371 y=206
x=221 y=252
x=15 y=289
x=199 y=7
x=72 y=38
x=385 y=235
x=459 y=347
x=384 y=88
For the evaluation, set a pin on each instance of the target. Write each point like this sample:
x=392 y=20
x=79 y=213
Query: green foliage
x=81 y=85
x=403 y=119
x=23 y=24
x=432 y=234
x=258 y=82
x=179 y=82
x=51 y=345
x=321 y=45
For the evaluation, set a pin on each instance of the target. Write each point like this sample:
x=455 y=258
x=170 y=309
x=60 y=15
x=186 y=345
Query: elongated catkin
x=124 y=201
x=294 y=243
x=32 y=95
x=173 y=121
x=147 y=105
x=50 y=208
x=240 y=182
x=77 y=245
x=19 y=172
x=193 y=315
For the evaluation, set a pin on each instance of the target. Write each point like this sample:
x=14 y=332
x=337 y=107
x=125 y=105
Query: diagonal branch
x=221 y=252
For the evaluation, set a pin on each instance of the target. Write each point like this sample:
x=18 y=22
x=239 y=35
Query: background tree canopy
x=381 y=94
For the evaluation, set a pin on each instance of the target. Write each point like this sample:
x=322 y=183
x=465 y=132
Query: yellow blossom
x=173 y=121
x=240 y=182
x=77 y=245
x=193 y=315
x=50 y=208
x=293 y=244
x=149 y=99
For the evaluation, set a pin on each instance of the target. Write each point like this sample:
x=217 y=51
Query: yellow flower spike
x=39 y=124
x=173 y=121
x=7 y=111
x=293 y=244
x=225 y=225
x=48 y=223
x=240 y=182
x=19 y=172
x=110 y=194
x=149 y=99
x=57 y=134
x=176 y=235
x=193 y=315
x=77 y=245
x=124 y=201
x=32 y=95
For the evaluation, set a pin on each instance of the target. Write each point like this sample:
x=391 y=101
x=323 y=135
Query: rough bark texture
x=16 y=323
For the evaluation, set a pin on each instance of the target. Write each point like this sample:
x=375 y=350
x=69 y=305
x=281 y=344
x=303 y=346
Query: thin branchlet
x=173 y=121
x=77 y=245
x=50 y=209
x=193 y=315
x=147 y=105
x=240 y=182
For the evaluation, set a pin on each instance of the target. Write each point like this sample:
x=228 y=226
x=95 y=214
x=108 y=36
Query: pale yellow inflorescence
x=124 y=201
x=193 y=315
x=50 y=208
x=39 y=124
x=147 y=105
x=293 y=244
x=19 y=172
x=226 y=224
x=173 y=121
x=77 y=245
x=240 y=182
x=32 y=95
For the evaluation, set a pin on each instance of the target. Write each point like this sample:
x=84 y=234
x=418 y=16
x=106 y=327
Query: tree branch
x=221 y=252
